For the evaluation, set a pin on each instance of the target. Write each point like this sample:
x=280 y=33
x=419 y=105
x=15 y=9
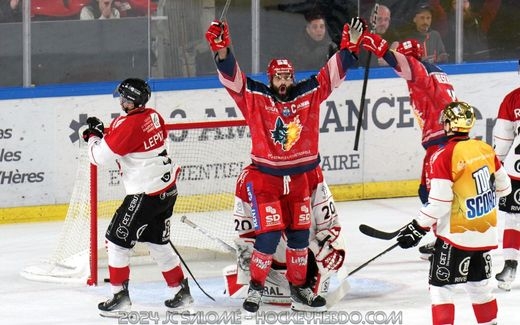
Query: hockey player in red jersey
x=326 y=243
x=136 y=141
x=507 y=141
x=466 y=181
x=430 y=91
x=283 y=118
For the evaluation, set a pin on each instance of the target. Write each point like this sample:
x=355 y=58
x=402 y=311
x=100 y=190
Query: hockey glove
x=410 y=235
x=218 y=35
x=375 y=44
x=95 y=128
x=328 y=249
x=352 y=34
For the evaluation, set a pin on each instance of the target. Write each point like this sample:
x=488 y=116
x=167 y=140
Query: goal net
x=211 y=155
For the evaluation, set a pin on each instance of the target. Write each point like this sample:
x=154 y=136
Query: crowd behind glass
x=73 y=41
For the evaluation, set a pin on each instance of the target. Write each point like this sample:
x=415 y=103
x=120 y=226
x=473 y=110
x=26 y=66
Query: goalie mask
x=135 y=90
x=460 y=116
x=411 y=47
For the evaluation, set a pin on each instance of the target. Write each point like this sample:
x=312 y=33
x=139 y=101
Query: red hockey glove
x=218 y=35
x=351 y=36
x=410 y=235
x=95 y=128
x=375 y=44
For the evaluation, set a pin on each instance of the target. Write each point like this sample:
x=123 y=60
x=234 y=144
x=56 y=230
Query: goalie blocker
x=326 y=248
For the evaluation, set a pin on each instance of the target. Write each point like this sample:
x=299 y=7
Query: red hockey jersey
x=506 y=133
x=137 y=142
x=430 y=92
x=284 y=134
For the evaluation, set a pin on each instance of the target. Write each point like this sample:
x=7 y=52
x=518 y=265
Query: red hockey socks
x=174 y=276
x=259 y=266
x=511 y=239
x=443 y=314
x=296 y=266
x=486 y=312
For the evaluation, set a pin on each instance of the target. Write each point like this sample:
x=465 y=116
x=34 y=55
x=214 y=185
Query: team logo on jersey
x=287 y=134
x=485 y=200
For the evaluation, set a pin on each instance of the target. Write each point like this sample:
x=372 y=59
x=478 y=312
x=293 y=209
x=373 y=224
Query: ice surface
x=394 y=284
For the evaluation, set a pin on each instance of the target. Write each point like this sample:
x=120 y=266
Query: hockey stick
x=189 y=271
x=224 y=11
x=365 y=81
x=376 y=233
x=274 y=276
x=337 y=294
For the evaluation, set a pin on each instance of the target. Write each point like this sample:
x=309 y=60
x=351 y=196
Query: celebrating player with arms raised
x=283 y=118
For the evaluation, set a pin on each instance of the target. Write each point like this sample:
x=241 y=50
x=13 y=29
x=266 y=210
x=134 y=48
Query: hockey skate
x=304 y=299
x=182 y=300
x=427 y=250
x=254 y=297
x=506 y=277
x=120 y=302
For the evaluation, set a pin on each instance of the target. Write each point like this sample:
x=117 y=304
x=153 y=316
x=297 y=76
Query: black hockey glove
x=410 y=235
x=95 y=128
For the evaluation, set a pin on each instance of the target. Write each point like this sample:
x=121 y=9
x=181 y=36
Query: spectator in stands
x=10 y=11
x=314 y=47
x=99 y=9
x=382 y=27
x=474 y=39
x=430 y=40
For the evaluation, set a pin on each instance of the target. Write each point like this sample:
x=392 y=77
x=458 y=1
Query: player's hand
x=95 y=128
x=217 y=35
x=375 y=44
x=352 y=34
x=410 y=235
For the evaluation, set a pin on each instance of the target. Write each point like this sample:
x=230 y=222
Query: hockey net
x=211 y=155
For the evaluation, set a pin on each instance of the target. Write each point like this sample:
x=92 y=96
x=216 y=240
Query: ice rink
x=391 y=290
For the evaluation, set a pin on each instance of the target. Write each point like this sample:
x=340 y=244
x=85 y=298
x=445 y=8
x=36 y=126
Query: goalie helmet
x=135 y=90
x=279 y=66
x=411 y=47
x=460 y=116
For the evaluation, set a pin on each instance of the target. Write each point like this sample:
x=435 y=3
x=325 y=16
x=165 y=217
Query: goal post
x=211 y=155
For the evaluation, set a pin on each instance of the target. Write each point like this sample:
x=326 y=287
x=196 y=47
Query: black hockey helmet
x=135 y=90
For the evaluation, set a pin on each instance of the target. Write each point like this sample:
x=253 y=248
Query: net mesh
x=211 y=159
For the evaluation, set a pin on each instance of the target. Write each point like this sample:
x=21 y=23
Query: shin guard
x=296 y=265
x=486 y=313
x=443 y=314
x=259 y=266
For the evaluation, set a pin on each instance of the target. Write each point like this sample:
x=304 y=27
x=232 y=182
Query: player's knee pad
x=297 y=239
x=479 y=291
x=442 y=295
x=118 y=256
x=266 y=242
x=164 y=256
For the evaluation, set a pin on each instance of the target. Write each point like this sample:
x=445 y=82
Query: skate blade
x=113 y=313
x=306 y=308
x=504 y=285
x=184 y=311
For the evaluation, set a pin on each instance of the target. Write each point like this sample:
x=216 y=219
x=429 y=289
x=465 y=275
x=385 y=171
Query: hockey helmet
x=135 y=90
x=411 y=47
x=460 y=116
x=279 y=66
